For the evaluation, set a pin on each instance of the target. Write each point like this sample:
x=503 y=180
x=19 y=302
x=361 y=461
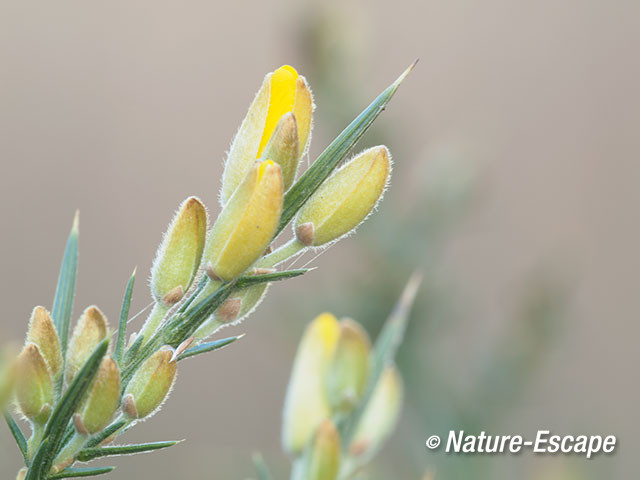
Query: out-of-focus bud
x=43 y=333
x=306 y=405
x=150 y=385
x=103 y=399
x=22 y=474
x=179 y=255
x=34 y=385
x=91 y=329
x=7 y=375
x=247 y=223
x=345 y=199
x=323 y=462
x=282 y=92
x=381 y=415
x=348 y=372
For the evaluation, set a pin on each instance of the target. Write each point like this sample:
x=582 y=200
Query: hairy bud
x=178 y=257
x=34 y=385
x=91 y=329
x=43 y=333
x=151 y=384
x=103 y=398
x=247 y=223
x=345 y=199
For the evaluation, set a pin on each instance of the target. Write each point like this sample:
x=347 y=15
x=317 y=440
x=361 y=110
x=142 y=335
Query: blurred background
x=515 y=189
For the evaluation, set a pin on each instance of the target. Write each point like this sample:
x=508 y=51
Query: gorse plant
x=80 y=389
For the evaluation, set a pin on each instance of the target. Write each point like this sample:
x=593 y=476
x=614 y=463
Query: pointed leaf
x=208 y=347
x=106 y=433
x=21 y=441
x=81 y=472
x=65 y=291
x=124 y=317
x=89 y=454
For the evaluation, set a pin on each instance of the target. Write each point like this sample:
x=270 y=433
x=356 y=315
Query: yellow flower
x=306 y=404
x=179 y=255
x=247 y=223
x=345 y=199
x=282 y=92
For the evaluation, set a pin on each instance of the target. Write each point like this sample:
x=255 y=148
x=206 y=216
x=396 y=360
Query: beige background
x=122 y=109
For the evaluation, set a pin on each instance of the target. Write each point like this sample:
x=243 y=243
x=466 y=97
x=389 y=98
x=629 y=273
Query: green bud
x=34 y=385
x=178 y=257
x=306 y=404
x=103 y=398
x=348 y=372
x=247 y=223
x=7 y=376
x=43 y=333
x=380 y=416
x=345 y=199
x=323 y=462
x=151 y=384
x=91 y=329
x=283 y=148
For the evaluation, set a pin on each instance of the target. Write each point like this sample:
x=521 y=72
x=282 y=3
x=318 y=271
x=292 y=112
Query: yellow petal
x=281 y=100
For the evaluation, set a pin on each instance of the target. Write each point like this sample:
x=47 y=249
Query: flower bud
x=91 y=329
x=306 y=404
x=345 y=199
x=380 y=416
x=151 y=384
x=43 y=333
x=7 y=376
x=22 y=474
x=247 y=223
x=323 y=462
x=283 y=148
x=34 y=385
x=348 y=372
x=178 y=258
x=103 y=398
x=282 y=91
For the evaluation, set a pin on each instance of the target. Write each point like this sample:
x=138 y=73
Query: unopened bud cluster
x=330 y=375
x=196 y=284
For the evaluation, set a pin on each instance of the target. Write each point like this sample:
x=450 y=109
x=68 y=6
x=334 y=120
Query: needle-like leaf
x=208 y=347
x=17 y=435
x=124 y=317
x=89 y=454
x=81 y=472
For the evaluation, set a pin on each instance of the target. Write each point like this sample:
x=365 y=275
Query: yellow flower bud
x=34 y=385
x=247 y=223
x=380 y=416
x=282 y=91
x=283 y=148
x=91 y=329
x=348 y=372
x=180 y=253
x=323 y=462
x=103 y=398
x=306 y=405
x=345 y=199
x=7 y=376
x=43 y=333
x=151 y=384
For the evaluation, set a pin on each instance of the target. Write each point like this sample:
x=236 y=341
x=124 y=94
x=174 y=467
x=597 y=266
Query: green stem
x=71 y=449
x=289 y=250
x=153 y=321
x=37 y=434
